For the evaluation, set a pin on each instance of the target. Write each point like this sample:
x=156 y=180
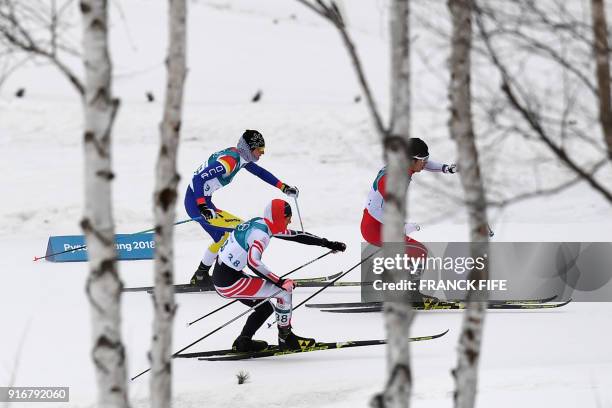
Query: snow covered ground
x=318 y=139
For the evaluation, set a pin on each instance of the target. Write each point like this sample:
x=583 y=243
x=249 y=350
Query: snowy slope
x=318 y=139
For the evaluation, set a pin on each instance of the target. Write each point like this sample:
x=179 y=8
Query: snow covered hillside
x=318 y=138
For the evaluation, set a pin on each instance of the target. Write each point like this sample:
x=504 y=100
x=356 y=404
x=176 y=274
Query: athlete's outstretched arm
x=263 y=174
x=310 y=239
x=439 y=167
x=433 y=166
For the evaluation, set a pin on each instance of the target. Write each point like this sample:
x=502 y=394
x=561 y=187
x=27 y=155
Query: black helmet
x=418 y=148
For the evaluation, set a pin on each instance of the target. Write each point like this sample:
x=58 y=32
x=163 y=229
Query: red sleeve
x=382 y=183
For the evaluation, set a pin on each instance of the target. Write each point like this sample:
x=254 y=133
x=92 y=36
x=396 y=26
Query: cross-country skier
x=245 y=247
x=372 y=220
x=215 y=173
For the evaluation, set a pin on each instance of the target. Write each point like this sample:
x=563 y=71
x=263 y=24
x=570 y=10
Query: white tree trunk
x=602 y=63
x=103 y=284
x=398 y=314
x=461 y=128
x=400 y=67
x=164 y=209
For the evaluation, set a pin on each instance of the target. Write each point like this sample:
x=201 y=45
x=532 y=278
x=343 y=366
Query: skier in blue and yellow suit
x=217 y=172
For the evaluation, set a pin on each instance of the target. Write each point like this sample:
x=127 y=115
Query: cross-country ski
x=188 y=288
x=374 y=304
x=453 y=306
x=275 y=351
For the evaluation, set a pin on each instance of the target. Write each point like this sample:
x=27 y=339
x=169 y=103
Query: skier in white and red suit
x=245 y=247
x=372 y=220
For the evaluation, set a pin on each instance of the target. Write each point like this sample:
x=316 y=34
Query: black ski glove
x=334 y=245
x=206 y=212
x=449 y=168
x=289 y=190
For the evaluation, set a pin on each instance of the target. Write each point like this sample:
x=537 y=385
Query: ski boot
x=201 y=278
x=246 y=344
x=287 y=340
x=429 y=302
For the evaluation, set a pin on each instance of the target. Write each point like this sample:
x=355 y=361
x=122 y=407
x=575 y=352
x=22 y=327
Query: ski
x=319 y=284
x=453 y=306
x=300 y=283
x=187 y=288
x=229 y=355
x=372 y=304
x=320 y=278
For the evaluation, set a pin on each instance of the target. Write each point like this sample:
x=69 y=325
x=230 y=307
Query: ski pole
x=236 y=300
x=332 y=282
x=491 y=233
x=297 y=207
x=37 y=258
x=217 y=329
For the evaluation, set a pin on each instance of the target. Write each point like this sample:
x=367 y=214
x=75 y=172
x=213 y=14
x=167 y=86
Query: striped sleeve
x=254 y=254
x=381 y=185
x=228 y=162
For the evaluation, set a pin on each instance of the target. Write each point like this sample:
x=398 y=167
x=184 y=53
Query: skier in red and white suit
x=372 y=220
x=244 y=248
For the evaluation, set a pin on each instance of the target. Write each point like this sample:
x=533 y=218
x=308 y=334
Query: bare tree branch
x=9 y=68
x=545 y=49
x=545 y=192
x=13 y=20
x=332 y=14
x=53 y=28
x=508 y=87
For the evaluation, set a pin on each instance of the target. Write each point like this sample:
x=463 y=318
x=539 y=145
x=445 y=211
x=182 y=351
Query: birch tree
x=462 y=131
x=165 y=208
x=398 y=315
x=103 y=283
x=602 y=64
x=21 y=25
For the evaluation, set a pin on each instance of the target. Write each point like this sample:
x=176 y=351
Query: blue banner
x=129 y=247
